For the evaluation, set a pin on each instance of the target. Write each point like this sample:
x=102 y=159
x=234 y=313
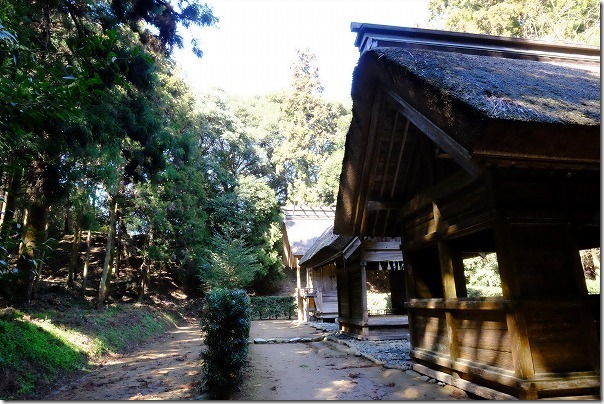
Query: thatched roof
x=490 y=105
x=499 y=88
x=327 y=246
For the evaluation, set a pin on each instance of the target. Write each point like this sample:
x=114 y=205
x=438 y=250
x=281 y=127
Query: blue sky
x=254 y=45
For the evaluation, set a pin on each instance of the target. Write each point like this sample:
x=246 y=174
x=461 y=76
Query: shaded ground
x=324 y=371
x=169 y=369
x=166 y=369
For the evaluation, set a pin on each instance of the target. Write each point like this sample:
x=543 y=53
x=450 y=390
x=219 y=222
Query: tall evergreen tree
x=309 y=131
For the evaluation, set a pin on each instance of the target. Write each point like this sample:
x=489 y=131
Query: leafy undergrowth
x=40 y=347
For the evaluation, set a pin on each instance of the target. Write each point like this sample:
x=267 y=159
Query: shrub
x=273 y=306
x=225 y=324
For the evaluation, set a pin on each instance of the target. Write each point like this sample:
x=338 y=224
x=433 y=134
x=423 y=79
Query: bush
x=225 y=324
x=273 y=306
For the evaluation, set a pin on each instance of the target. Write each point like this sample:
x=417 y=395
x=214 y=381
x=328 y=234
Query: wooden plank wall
x=556 y=336
x=483 y=337
x=357 y=291
x=343 y=293
x=430 y=331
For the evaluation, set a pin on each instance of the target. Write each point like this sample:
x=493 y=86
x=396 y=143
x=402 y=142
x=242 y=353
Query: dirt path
x=324 y=371
x=166 y=369
x=169 y=369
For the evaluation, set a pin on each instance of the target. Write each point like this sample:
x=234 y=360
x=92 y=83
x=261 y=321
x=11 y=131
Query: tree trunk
x=29 y=253
x=10 y=200
x=145 y=272
x=107 y=264
x=40 y=261
x=120 y=244
x=86 y=263
x=141 y=281
x=66 y=219
x=6 y=182
x=75 y=248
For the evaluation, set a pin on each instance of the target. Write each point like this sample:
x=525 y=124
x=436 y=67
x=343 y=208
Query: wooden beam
x=452 y=184
x=387 y=165
x=374 y=205
x=379 y=256
x=492 y=303
x=387 y=161
x=481 y=391
x=351 y=248
x=364 y=293
x=368 y=165
x=400 y=158
x=436 y=134
x=376 y=244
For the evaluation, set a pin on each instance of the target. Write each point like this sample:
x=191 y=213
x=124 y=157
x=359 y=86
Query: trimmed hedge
x=266 y=307
x=225 y=324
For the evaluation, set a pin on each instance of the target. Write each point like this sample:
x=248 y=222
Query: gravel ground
x=391 y=353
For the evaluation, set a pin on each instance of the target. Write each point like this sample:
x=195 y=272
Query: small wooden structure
x=352 y=258
x=464 y=144
x=303 y=225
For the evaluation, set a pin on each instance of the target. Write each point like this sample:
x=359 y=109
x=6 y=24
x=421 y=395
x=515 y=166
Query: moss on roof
x=325 y=246
x=509 y=89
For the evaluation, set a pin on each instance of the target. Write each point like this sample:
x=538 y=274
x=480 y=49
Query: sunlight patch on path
x=166 y=369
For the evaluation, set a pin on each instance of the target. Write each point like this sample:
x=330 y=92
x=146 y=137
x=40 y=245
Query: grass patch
x=31 y=354
x=37 y=348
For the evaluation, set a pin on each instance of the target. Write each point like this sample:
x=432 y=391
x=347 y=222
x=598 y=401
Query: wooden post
x=299 y=290
x=520 y=347
x=448 y=279
x=365 y=315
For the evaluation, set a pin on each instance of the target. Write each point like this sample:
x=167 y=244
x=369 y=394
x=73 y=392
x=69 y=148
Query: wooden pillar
x=411 y=294
x=365 y=315
x=300 y=299
x=519 y=342
x=448 y=279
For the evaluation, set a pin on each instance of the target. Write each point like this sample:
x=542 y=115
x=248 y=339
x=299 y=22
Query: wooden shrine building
x=463 y=144
x=301 y=228
x=353 y=260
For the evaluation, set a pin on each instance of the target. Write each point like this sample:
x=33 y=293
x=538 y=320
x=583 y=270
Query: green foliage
x=482 y=271
x=112 y=338
x=379 y=302
x=36 y=348
x=165 y=17
x=483 y=291
x=593 y=286
x=225 y=324
x=240 y=198
x=560 y=20
x=309 y=134
x=232 y=264
x=264 y=307
x=23 y=344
